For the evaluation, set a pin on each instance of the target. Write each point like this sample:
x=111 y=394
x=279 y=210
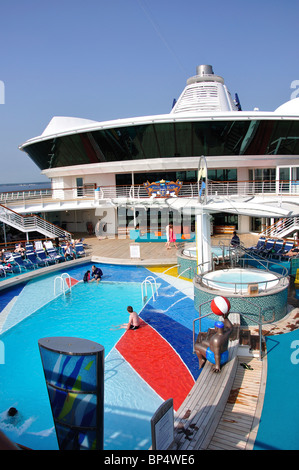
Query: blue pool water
x=88 y=312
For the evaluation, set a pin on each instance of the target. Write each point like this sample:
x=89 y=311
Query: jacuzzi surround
x=239 y=280
x=265 y=305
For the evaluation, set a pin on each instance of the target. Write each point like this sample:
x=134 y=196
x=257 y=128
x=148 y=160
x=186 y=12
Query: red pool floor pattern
x=157 y=363
x=71 y=282
x=152 y=357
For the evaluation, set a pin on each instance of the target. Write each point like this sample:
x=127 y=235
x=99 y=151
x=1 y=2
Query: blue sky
x=119 y=58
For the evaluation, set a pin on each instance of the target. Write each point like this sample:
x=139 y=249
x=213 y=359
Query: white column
x=203 y=241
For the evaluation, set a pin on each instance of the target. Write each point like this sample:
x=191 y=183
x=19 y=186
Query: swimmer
x=133 y=323
x=12 y=417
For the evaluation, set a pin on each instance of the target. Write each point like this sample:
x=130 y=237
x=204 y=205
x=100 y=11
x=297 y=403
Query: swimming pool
x=138 y=365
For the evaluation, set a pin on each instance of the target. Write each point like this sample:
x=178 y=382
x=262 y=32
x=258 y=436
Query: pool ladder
x=63 y=284
x=148 y=280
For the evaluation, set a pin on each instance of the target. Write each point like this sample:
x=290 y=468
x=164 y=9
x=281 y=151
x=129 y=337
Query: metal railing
x=189 y=190
x=31 y=223
x=282 y=227
x=239 y=256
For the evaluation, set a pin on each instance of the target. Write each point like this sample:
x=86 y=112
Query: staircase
x=282 y=228
x=250 y=341
x=31 y=223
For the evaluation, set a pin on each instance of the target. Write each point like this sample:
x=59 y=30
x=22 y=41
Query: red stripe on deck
x=157 y=363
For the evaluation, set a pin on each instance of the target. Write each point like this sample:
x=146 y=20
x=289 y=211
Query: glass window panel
x=183 y=139
x=166 y=139
x=169 y=139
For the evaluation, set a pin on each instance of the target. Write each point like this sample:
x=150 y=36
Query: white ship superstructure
x=98 y=169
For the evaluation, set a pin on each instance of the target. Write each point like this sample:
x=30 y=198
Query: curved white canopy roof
x=289 y=108
x=61 y=124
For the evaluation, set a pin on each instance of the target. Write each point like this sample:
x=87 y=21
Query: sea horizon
x=9 y=187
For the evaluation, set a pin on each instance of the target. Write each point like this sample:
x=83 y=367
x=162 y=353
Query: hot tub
x=241 y=281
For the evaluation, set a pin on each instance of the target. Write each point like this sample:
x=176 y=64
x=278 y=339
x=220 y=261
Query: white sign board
x=135 y=251
x=162 y=424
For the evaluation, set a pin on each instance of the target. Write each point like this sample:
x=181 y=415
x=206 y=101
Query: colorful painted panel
x=74 y=376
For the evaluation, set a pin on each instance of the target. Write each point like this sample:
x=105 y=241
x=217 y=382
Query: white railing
x=190 y=190
x=31 y=223
x=152 y=283
x=282 y=227
x=64 y=283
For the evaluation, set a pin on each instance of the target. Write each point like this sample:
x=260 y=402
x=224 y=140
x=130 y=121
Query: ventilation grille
x=203 y=97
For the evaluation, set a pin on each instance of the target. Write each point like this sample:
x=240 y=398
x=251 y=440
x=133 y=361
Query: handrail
x=63 y=278
x=30 y=223
x=265 y=263
x=148 y=280
x=282 y=226
x=171 y=267
x=189 y=189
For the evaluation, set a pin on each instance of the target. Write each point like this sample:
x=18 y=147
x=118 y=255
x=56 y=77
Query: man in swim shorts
x=134 y=321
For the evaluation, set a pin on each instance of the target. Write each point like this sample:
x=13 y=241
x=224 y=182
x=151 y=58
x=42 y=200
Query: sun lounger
x=22 y=263
x=277 y=249
x=8 y=268
x=44 y=257
x=36 y=260
x=53 y=253
x=259 y=246
x=267 y=248
x=29 y=248
x=80 y=250
x=284 y=254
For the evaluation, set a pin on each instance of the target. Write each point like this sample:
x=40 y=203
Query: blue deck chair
x=11 y=264
x=79 y=250
x=259 y=246
x=36 y=260
x=53 y=253
x=44 y=257
x=277 y=249
x=29 y=248
x=7 y=268
x=22 y=263
x=267 y=248
x=284 y=254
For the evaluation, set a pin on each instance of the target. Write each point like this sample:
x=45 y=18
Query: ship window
x=166 y=140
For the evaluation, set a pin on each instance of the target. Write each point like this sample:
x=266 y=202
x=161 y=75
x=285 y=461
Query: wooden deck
x=111 y=250
x=222 y=410
x=117 y=250
x=238 y=425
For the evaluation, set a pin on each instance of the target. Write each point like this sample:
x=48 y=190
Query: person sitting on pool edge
x=96 y=274
x=134 y=322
